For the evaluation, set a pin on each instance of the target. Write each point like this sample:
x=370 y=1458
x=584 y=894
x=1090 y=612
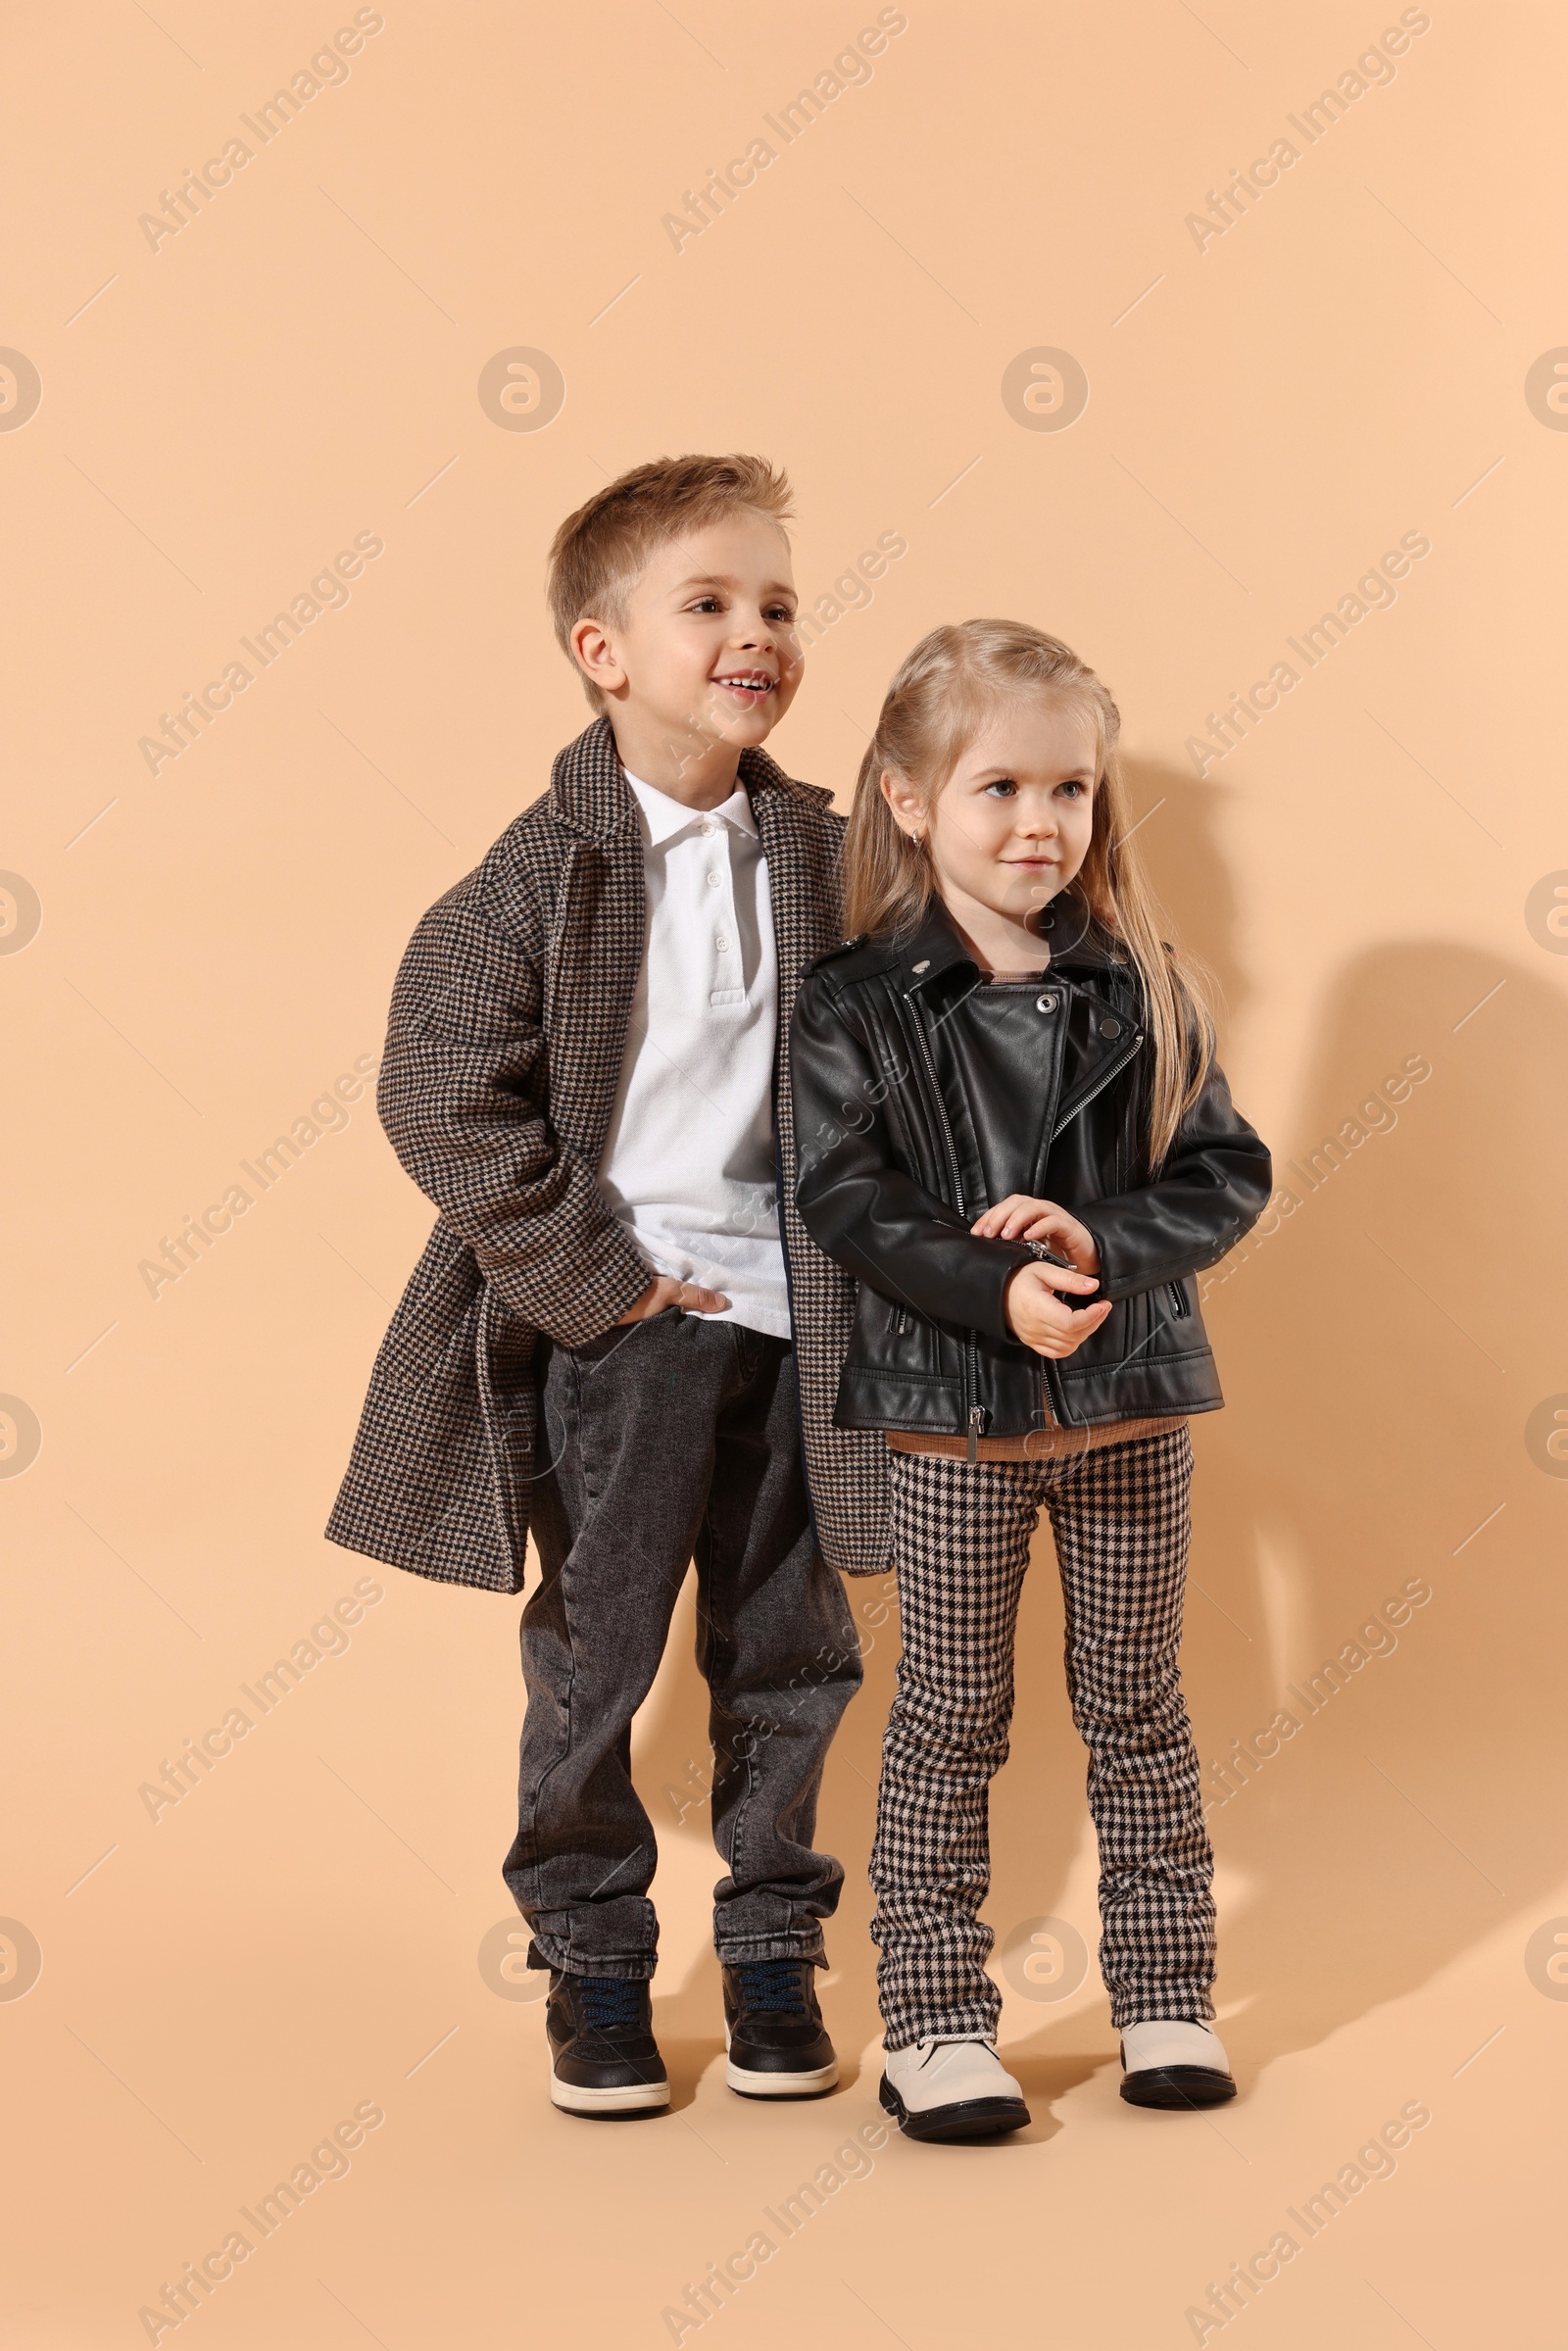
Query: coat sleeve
x=1212 y=1189
x=877 y=1223
x=463 y=1097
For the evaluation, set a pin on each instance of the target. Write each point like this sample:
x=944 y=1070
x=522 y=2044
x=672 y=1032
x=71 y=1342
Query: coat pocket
x=433 y=1310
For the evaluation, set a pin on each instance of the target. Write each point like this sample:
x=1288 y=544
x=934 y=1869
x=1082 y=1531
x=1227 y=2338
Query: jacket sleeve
x=1211 y=1190
x=878 y=1224
x=463 y=1097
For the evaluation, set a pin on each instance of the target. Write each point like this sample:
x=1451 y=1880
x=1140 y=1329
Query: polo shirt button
x=1045 y=1004
x=713 y=881
x=722 y=942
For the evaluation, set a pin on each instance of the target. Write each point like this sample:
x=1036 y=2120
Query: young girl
x=1012 y=1132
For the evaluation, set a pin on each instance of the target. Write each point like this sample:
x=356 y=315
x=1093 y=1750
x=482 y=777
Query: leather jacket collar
x=933 y=960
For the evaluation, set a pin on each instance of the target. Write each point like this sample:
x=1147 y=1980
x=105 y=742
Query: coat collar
x=590 y=795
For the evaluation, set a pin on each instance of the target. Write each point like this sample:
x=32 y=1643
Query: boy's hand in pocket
x=665 y=1292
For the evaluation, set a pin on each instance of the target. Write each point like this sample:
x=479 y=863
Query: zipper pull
x=977 y=1421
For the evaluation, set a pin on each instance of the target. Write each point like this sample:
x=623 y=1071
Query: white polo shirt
x=688 y=1162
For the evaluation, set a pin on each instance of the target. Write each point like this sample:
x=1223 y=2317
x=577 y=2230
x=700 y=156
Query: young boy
x=585 y=1072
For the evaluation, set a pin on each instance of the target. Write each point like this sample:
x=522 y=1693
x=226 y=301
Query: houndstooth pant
x=962 y=1537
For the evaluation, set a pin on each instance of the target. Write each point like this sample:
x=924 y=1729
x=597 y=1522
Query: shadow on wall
x=1366 y=1347
x=1414 y=1803
x=1375 y=1429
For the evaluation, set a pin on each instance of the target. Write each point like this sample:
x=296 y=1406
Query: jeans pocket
x=596 y=1351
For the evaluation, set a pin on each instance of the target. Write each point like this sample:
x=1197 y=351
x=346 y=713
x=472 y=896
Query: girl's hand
x=1019 y=1218
x=1049 y=1308
x=1044 y=1321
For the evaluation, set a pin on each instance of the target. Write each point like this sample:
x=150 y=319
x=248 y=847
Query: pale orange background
x=300 y=364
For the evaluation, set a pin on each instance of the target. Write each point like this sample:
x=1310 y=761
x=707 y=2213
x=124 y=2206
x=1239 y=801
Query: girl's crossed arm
x=884 y=1227
x=1212 y=1186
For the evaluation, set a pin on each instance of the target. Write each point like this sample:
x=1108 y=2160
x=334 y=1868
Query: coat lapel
x=598 y=934
x=846 y=1468
x=801 y=846
x=596 y=940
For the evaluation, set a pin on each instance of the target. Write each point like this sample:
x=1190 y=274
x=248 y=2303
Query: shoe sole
x=813 y=2085
x=966 y=2118
x=1181 y=2088
x=631 y=2097
x=749 y=2085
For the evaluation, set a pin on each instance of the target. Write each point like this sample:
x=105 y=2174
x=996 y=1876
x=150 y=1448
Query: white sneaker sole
x=636 y=2097
x=778 y=2086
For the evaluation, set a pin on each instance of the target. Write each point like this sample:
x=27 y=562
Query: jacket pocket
x=889 y=1333
x=1139 y=1329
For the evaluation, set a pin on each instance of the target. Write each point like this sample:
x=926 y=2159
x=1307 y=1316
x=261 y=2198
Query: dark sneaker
x=604 y=2058
x=778 y=2044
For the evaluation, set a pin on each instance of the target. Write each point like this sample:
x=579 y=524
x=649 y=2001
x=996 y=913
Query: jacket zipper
x=975 y=1415
x=1065 y=1116
x=1178 y=1299
x=1103 y=1078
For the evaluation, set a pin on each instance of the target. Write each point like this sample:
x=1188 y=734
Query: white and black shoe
x=775 y=2041
x=1169 y=2063
x=604 y=2059
x=950 y=2089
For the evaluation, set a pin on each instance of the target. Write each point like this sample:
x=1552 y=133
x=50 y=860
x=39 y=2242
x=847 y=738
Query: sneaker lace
x=772 y=1984
x=610 y=2002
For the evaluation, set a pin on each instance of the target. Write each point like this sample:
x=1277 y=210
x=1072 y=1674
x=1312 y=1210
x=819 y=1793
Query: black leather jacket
x=921 y=1096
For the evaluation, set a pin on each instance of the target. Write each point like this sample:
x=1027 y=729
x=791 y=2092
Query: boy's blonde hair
x=601 y=552
x=941 y=696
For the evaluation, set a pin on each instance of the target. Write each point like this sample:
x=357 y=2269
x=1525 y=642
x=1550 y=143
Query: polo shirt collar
x=589 y=793
x=663 y=818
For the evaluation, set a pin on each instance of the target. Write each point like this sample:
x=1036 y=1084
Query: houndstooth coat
x=507 y=1034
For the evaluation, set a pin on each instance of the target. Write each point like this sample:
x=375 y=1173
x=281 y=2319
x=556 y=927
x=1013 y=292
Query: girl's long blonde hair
x=942 y=694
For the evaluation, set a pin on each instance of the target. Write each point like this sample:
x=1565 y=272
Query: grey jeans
x=669 y=1439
